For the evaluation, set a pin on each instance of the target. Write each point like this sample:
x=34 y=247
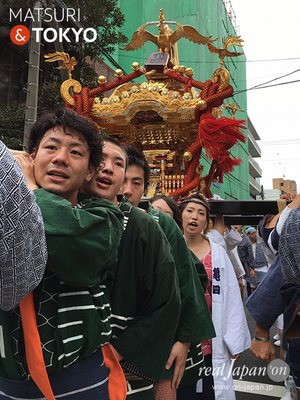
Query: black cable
x=266 y=87
x=275 y=79
x=236 y=181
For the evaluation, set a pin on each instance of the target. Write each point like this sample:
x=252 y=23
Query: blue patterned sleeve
x=23 y=253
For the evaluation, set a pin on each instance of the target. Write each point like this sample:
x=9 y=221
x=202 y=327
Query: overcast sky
x=271 y=33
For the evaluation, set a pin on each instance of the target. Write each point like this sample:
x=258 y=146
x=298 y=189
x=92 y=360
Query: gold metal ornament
x=182 y=69
x=233 y=108
x=221 y=75
x=187 y=156
x=166 y=38
x=68 y=63
x=101 y=80
x=65 y=90
x=156 y=115
x=135 y=66
x=202 y=104
x=189 y=72
x=224 y=52
x=118 y=73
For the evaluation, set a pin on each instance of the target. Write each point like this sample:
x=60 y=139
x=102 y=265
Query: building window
x=12 y=72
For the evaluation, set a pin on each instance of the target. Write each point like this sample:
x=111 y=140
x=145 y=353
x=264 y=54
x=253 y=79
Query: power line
x=278 y=160
x=261 y=85
x=124 y=55
x=230 y=177
x=279 y=142
x=266 y=87
x=275 y=79
x=272 y=60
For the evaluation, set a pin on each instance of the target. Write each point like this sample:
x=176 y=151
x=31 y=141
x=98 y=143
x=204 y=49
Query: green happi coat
x=144 y=297
x=72 y=305
x=195 y=323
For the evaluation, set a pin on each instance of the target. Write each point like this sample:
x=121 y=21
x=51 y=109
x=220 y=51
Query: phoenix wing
x=139 y=38
x=231 y=54
x=213 y=49
x=189 y=32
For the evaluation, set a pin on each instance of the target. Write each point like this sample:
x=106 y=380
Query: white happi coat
x=228 y=315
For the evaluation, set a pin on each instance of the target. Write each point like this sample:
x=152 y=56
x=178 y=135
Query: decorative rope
x=85 y=100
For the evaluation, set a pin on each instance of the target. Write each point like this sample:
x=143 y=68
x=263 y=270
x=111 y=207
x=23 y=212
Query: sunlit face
x=194 y=219
x=108 y=181
x=61 y=163
x=161 y=205
x=134 y=183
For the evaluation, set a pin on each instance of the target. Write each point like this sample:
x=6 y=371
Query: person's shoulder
x=245 y=240
x=216 y=237
x=89 y=202
x=216 y=247
x=134 y=213
x=165 y=219
x=5 y=154
x=258 y=244
x=167 y=223
x=141 y=214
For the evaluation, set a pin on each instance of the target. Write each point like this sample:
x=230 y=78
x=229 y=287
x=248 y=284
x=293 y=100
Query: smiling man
x=83 y=233
x=60 y=162
x=108 y=180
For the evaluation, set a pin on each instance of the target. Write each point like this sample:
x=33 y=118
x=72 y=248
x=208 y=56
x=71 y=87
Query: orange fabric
x=116 y=383
x=117 y=387
x=34 y=353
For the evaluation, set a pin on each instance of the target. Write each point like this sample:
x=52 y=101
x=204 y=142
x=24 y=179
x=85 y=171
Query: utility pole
x=33 y=75
x=58 y=45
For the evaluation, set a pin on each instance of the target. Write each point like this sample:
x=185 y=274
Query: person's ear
x=32 y=155
x=90 y=174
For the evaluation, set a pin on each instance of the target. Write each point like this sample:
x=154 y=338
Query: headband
x=192 y=200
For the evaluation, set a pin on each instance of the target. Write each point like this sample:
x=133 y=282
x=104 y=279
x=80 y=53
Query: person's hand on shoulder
x=27 y=166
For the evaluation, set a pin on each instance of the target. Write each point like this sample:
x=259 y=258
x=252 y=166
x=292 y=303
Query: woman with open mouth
x=223 y=299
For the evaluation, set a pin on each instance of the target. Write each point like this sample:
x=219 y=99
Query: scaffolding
x=231 y=15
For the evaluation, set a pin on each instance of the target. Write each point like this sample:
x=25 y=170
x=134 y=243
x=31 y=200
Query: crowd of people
x=104 y=295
